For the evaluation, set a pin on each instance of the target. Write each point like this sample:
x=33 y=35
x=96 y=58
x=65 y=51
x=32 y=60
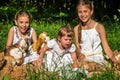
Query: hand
x=39 y=62
x=81 y=57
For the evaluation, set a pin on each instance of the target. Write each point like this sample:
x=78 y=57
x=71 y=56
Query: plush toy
x=117 y=56
x=42 y=39
x=2 y=60
x=17 y=52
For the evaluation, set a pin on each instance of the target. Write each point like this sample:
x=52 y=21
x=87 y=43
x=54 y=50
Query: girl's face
x=23 y=23
x=84 y=13
x=65 y=42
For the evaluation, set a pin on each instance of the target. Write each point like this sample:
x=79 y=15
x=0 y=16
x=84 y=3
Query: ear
x=16 y=22
x=58 y=38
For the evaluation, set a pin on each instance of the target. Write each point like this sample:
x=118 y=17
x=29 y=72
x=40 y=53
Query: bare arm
x=78 y=52
x=41 y=56
x=75 y=61
x=10 y=37
x=108 y=51
x=76 y=39
x=34 y=36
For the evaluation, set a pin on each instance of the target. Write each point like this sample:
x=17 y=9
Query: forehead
x=23 y=18
x=83 y=7
x=66 y=37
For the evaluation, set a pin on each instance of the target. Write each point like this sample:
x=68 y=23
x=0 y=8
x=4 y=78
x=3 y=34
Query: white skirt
x=98 y=58
x=54 y=62
x=30 y=58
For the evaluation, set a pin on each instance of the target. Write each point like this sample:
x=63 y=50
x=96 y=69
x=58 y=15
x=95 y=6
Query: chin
x=23 y=32
x=84 y=21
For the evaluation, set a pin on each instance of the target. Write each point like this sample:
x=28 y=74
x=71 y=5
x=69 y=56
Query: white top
x=17 y=36
x=55 y=47
x=29 y=57
x=56 y=58
x=90 y=41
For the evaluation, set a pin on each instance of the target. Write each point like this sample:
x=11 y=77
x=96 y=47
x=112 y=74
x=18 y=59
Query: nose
x=82 y=14
x=24 y=24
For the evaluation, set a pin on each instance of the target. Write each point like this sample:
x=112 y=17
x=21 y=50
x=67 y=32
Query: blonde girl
x=22 y=30
x=62 y=51
x=90 y=36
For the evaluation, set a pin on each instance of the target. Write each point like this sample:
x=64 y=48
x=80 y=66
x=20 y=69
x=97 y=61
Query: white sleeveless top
x=55 y=47
x=56 y=58
x=90 y=42
x=30 y=57
x=17 y=37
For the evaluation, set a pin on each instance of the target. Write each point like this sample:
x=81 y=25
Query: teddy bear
x=2 y=60
x=41 y=41
x=117 y=56
x=17 y=52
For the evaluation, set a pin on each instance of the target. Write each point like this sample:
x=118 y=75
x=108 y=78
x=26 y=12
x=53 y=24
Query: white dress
x=57 y=58
x=91 y=45
x=30 y=57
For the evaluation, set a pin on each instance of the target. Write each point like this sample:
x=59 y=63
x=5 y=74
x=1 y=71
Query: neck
x=87 y=24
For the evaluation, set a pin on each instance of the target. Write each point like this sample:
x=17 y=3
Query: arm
x=76 y=39
x=41 y=56
x=101 y=30
x=79 y=55
x=75 y=61
x=10 y=37
x=34 y=36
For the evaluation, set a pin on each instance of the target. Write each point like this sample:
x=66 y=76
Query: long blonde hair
x=91 y=7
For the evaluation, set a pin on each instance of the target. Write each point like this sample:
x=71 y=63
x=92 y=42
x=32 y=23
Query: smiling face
x=84 y=13
x=23 y=23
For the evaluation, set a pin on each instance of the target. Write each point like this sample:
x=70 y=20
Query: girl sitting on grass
x=22 y=30
x=62 y=51
x=90 y=36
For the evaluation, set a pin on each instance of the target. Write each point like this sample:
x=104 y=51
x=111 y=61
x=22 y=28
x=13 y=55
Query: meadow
x=112 y=32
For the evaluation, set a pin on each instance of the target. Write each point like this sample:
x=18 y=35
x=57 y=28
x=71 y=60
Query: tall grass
x=112 y=31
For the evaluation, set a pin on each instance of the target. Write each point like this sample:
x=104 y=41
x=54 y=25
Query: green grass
x=113 y=36
x=112 y=31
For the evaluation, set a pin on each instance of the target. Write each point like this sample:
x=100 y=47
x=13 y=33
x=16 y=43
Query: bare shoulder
x=100 y=27
x=11 y=29
x=76 y=28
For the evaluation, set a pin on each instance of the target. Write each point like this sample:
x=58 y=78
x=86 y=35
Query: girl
x=22 y=30
x=62 y=51
x=88 y=36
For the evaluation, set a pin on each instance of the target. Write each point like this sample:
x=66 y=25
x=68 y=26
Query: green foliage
x=113 y=35
x=39 y=26
x=112 y=31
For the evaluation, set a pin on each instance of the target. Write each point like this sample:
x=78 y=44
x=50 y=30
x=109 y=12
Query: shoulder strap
x=95 y=24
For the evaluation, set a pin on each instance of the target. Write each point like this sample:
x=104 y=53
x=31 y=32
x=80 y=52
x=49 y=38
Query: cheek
x=27 y=25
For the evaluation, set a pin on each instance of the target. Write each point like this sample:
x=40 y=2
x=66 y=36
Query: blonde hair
x=23 y=13
x=85 y=2
x=90 y=6
x=65 y=31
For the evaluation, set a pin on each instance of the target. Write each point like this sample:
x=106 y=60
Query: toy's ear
x=43 y=35
x=115 y=52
